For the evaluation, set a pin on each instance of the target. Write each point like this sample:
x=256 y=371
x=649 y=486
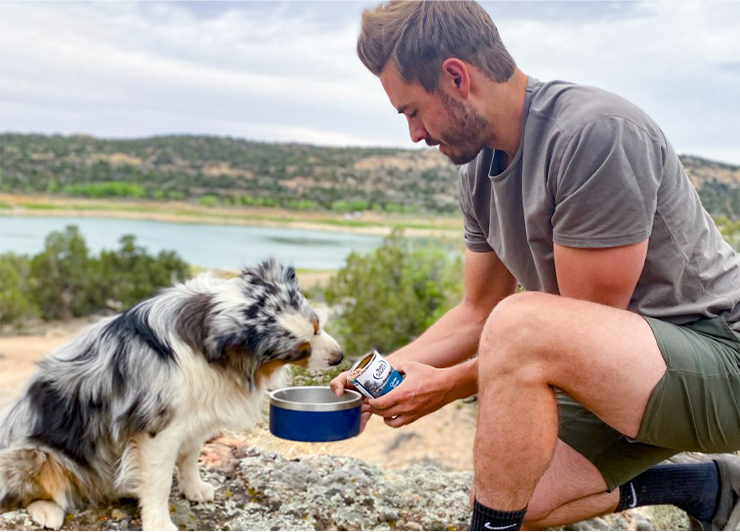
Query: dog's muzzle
x=337 y=360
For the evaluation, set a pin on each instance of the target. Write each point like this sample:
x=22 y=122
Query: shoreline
x=182 y=212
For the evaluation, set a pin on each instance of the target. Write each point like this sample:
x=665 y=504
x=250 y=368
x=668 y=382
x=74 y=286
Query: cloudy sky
x=287 y=71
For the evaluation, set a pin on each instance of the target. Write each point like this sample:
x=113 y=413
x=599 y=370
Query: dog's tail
x=28 y=474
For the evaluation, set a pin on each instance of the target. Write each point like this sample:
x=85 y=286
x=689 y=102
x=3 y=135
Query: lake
x=206 y=245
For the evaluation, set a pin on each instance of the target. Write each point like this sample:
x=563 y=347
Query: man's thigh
x=616 y=457
x=695 y=406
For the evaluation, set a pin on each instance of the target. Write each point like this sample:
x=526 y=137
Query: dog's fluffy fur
x=114 y=411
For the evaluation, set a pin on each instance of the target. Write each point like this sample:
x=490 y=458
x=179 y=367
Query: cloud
x=279 y=71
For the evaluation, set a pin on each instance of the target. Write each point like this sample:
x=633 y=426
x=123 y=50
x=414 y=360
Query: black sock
x=485 y=518
x=692 y=487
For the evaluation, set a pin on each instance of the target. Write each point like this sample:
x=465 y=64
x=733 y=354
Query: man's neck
x=503 y=110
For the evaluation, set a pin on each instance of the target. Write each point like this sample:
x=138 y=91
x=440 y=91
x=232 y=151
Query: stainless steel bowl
x=314 y=413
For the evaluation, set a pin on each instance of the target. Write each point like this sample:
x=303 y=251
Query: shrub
x=391 y=295
x=130 y=274
x=60 y=275
x=16 y=302
x=65 y=281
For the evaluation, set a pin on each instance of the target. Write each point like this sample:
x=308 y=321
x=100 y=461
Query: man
x=625 y=349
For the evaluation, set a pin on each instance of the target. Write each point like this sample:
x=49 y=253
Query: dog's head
x=258 y=321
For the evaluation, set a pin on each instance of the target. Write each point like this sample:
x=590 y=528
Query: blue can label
x=373 y=376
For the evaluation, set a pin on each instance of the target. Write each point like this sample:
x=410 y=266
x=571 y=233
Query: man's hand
x=424 y=389
x=340 y=383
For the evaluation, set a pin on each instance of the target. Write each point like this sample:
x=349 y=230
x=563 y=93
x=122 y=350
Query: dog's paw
x=46 y=513
x=200 y=492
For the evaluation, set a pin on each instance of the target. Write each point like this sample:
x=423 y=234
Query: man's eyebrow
x=402 y=108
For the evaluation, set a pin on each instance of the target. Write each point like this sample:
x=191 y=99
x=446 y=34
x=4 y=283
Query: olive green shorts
x=694 y=407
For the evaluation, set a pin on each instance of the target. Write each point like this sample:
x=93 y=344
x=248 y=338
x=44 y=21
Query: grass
x=253 y=215
x=40 y=206
x=320 y=377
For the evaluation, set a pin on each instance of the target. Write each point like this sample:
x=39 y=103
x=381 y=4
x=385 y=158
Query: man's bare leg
x=572 y=489
x=606 y=359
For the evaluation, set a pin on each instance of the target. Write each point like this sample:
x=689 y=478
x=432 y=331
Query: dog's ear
x=270 y=271
x=290 y=277
x=267 y=270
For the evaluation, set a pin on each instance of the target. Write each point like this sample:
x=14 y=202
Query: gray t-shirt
x=594 y=171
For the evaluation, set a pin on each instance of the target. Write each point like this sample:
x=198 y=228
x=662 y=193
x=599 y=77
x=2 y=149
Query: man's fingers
x=386 y=401
x=398 y=421
x=393 y=411
x=338 y=384
x=364 y=418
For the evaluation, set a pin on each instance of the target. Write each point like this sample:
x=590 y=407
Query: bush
x=16 y=302
x=109 y=189
x=130 y=274
x=65 y=281
x=390 y=296
x=60 y=275
x=208 y=201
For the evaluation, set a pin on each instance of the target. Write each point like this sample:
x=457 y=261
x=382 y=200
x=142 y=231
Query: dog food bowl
x=314 y=413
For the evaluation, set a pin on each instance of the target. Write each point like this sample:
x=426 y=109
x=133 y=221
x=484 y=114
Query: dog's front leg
x=156 y=457
x=191 y=485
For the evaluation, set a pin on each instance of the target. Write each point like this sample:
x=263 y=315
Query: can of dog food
x=373 y=376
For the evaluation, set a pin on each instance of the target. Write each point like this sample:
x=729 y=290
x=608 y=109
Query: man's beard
x=466 y=132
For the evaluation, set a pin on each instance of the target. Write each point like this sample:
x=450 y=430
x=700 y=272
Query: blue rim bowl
x=314 y=414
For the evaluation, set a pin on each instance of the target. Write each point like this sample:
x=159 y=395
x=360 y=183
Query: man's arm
x=454 y=337
x=431 y=364
x=605 y=275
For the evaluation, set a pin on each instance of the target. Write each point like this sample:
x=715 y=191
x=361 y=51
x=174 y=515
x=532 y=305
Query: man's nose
x=417 y=131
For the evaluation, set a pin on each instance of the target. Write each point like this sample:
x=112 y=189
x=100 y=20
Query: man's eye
x=413 y=115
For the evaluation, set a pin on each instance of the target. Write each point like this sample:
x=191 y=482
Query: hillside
x=226 y=170
x=222 y=170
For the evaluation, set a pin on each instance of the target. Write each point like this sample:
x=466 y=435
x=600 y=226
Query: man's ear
x=456 y=77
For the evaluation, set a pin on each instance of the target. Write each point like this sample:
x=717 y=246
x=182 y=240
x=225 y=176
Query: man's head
x=424 y=54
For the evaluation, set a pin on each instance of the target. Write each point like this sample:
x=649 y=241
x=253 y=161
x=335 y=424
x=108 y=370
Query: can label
x=373 y=376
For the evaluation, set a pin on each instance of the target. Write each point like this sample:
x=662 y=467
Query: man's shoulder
x=564 y=109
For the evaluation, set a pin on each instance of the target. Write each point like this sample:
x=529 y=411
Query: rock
x=119 y=515
x=641 y=523
x=264 y=491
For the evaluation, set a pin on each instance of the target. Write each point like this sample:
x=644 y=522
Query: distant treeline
x=226 y=171
x=64 y=280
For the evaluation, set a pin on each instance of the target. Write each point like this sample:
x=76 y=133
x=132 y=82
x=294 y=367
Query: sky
x=288 y=71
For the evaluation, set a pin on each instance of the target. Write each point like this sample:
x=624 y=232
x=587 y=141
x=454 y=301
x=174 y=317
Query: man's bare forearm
x=452 y=339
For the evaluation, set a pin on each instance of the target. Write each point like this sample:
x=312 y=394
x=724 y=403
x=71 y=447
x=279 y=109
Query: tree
x=393 y=294
x=15 y=292
x=130 y=274
x=61 y=275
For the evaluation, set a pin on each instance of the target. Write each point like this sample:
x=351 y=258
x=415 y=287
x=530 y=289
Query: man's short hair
x=419 y=36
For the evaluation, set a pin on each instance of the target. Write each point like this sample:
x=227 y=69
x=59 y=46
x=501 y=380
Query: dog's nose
x=336 y=361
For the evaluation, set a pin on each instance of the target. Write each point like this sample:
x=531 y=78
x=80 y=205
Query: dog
x=115 y=411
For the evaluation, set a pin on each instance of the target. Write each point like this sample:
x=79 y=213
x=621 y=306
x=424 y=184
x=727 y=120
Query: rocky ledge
x=261 y=490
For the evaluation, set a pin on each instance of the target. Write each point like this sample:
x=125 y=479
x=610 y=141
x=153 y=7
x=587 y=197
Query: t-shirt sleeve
x=605 y=186
x=475 y=240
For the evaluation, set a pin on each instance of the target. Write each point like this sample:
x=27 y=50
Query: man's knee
x=513 y=337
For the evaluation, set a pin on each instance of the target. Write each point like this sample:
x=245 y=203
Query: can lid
x=364 y=361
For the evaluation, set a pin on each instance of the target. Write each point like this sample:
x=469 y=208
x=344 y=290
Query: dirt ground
x=444 y=438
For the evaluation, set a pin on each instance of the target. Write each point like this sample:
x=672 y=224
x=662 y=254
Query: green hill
x=222 y=170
